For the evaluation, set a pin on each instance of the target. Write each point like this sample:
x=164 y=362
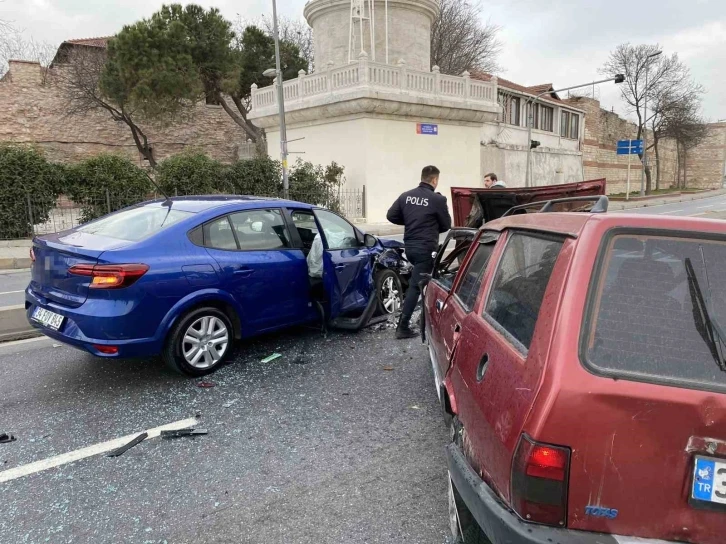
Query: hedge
x=191 y=173
x=106 y=183
x=29 y=187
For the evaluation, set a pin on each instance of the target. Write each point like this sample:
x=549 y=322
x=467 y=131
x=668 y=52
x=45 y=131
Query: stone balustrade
x=365 y=75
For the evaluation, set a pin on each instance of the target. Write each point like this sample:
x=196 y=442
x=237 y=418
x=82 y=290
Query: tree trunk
x=657 y=164
x=141 y=141
x=648 y=181
x=685 y=168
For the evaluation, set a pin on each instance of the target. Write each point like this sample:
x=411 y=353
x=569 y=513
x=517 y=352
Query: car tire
x=389 y=291
x=463 y=526
x=200 y=343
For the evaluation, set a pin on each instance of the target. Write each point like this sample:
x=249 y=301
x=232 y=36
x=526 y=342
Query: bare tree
x=689 y=130
x=14 y=45
x=672 y=109
x=461 y=41
x=79 y=78
x=668 y=84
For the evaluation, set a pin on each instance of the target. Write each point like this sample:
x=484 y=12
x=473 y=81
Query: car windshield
x=135 y=224
x=660 y=311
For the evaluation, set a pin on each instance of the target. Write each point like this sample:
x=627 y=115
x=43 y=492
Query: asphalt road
x=12 y=286
x=706 y=207
x=340 y=440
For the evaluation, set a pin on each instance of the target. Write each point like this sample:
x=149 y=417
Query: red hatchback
x=581 y=358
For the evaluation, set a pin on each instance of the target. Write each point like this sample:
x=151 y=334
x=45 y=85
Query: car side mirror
x=369 y=240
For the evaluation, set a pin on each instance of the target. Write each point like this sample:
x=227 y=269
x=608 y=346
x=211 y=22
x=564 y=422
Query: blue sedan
x=185 y=277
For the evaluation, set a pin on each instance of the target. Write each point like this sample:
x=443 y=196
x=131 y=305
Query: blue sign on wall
x=630 y=147
x=427 y=128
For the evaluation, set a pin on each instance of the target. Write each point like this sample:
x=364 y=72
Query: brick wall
x=31 y=111
x=602 y=131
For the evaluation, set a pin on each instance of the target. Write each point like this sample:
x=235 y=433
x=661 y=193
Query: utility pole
x=281 y=103
x=645 y=123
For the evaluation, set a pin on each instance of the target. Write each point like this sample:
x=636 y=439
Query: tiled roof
x=544 y=87
x=92 y=42
x=532 y=91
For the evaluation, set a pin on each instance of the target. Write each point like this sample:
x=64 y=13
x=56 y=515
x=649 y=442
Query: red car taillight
x=110 y=276
x=539 y=482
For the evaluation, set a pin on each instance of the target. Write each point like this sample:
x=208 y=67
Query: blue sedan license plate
x=47 y=318
x=709 y=480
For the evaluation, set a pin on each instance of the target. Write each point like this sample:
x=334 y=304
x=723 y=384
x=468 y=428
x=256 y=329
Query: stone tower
x=409 y=32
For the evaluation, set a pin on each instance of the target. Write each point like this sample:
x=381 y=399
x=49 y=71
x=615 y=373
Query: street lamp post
x=281 y=103
x=529 y=110
x=645 y=121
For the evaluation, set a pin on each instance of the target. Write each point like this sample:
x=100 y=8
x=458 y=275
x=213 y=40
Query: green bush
x=316 y=184
x=260 y=176
x=29 y=187
x=192 y=173
x=106 y=183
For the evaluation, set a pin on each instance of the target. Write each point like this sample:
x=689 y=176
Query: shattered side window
x=659 y=311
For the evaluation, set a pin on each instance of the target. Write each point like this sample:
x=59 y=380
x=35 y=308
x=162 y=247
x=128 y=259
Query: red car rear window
x=658 y=312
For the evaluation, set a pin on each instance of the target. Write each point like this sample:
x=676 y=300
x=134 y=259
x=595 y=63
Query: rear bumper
x=71 y=332
x=502 y=526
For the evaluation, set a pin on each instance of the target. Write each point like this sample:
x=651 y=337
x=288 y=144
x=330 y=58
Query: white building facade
x=384 y=121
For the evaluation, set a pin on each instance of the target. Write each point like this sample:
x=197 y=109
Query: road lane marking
x=702 y=207
x=12 y=292
x=90 y=451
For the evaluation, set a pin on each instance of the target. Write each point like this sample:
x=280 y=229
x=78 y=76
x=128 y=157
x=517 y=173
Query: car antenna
x=166 y=202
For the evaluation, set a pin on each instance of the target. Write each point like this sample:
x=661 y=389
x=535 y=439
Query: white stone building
x=556 y=125
x=384 y=121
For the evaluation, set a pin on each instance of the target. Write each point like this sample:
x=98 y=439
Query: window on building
x=542 y=116
x=569 y=125
x=574 y=126
x=511 y=106
x=520 y=283
x=546 y=117
x=565 y=124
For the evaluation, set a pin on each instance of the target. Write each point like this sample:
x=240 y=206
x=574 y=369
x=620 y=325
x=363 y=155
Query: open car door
x=475 y=206
x=448 y=260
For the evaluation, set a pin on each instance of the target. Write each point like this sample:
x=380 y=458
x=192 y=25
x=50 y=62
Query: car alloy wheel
x=205 y=342
x=390 y=295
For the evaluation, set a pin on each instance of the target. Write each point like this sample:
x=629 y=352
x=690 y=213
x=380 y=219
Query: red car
x=581 y=360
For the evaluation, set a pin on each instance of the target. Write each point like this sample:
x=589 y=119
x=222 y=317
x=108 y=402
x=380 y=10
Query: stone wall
x=706 y=163
x=32 y=111
x=602 y=131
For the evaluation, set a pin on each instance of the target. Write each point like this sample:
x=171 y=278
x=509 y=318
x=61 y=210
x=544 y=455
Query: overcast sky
x=558 y=41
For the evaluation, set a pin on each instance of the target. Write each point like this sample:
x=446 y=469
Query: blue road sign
x=630 y=147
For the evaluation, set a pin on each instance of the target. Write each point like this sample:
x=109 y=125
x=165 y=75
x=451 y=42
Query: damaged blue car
x=186 y=277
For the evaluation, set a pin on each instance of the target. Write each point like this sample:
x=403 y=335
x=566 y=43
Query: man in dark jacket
x=424 y=214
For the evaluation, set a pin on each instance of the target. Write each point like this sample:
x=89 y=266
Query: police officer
x=424 y=214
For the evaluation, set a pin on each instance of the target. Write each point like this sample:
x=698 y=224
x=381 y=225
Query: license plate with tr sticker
x=47 y=318
x=709 y=481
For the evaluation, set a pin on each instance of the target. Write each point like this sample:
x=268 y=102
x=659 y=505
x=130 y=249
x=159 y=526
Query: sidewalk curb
x=15 y=263
x=14 y=324
x=619 y=206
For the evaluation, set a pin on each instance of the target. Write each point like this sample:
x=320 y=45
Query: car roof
x=202 y=203
x=573 y=223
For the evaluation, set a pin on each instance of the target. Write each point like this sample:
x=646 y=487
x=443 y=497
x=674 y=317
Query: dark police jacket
x=424 y=215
